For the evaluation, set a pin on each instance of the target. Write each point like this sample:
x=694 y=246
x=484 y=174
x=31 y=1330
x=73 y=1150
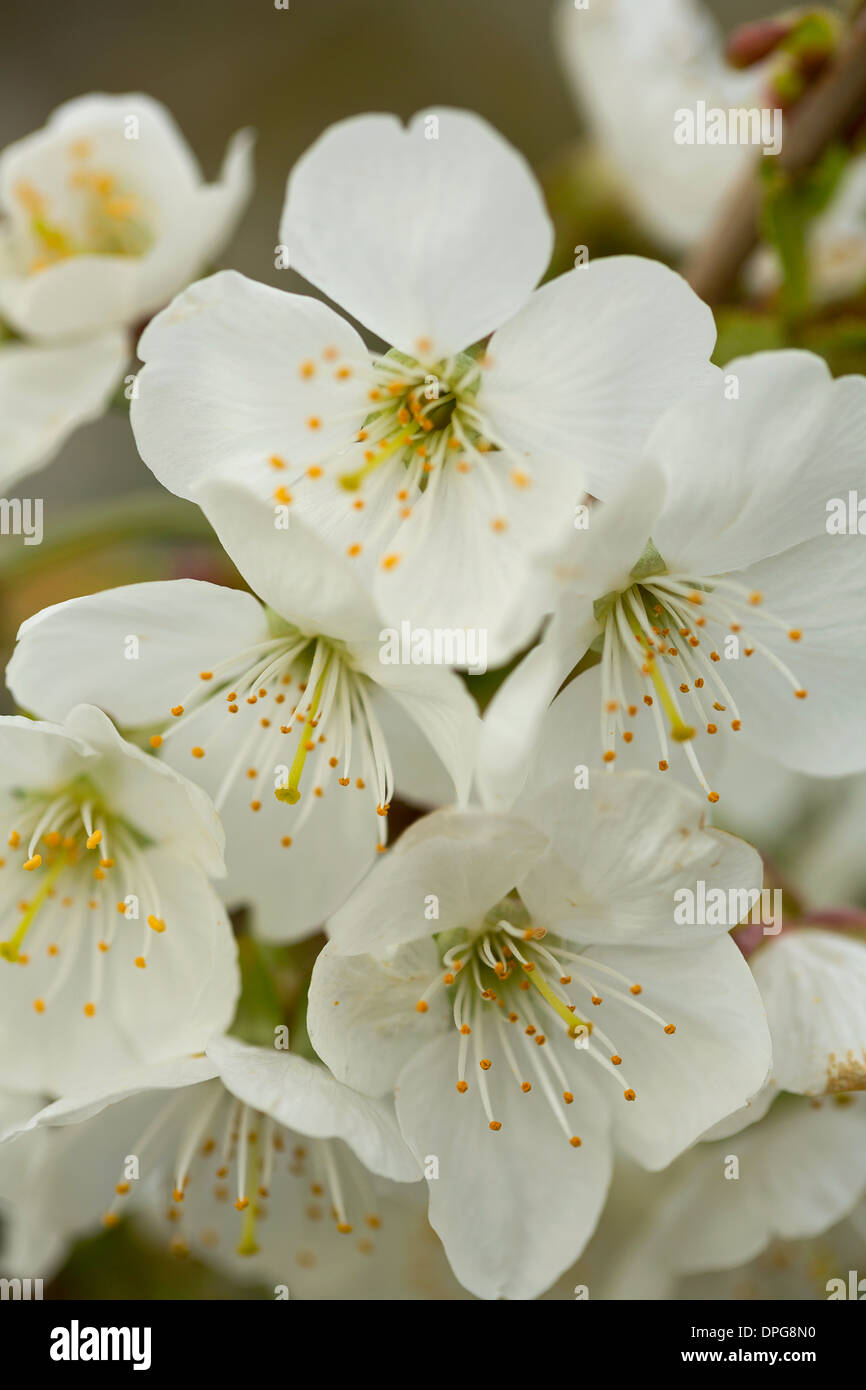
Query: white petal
x=751 y=476
x=460 y=562
x=586 y=369
x=458 y=863
x=189 y=988
x=569 y=737
x=290 y=890
x=813 y=984
x=800 y=1171
x=37 y=755
x=78 y=650
x=89 y=1100
x=621 y=851
x=593 y=563
x=718 y=1057
x=47 y=392
x=437 y=237
x=419 y=774
x=443 y=712
x=224 y=388
x=161 y=803
x=305 y=1097
x=513 y=1208
x=186 y=992
x=362 y=1013
x=293 y=570
x=817 y=588
x=220 y=204
x=514 y=719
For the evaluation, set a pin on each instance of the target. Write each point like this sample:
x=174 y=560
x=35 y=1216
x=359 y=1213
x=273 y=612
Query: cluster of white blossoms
x=508 y=1000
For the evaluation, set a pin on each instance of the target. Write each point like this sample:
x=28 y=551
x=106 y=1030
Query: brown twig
x=836 y=101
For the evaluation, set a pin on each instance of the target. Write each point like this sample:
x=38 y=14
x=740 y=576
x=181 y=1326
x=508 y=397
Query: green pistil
x=291 y=792
x=9 y=949
x=567 y=1015
x=248 y=1244
x=400 y=439
x=681 y=732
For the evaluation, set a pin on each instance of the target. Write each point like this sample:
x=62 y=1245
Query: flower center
x=506 y=985
x=248 y=1152
x=417 y=415
x=305 y=715
x=660 y=649
x=94 y=214
x=70 y=841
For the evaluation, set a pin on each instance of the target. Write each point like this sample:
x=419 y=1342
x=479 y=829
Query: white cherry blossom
x=520 y=981
x=106 y=216
x=115 y=948
x=248 y=1157
x=282 y=712
x=718 y=598
x=439 y=465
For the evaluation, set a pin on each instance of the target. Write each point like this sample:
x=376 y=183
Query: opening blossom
x=719 y=598
x=283 y=712
x=520 y=981
x=439 y=465
x=103 y=217
x=107 y=216
x=115 y=947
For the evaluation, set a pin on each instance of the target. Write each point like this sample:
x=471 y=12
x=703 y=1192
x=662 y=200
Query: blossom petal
x=456 y=863
x=716 y=1060
x=159 y=802
x=235 y=372
x=442 y=710
x=624 y=854
x=362 y=1012
x=293 y=570
x=168 y=1074
x=429 y=239
x=513 y=1208
x=586 y=369
x=38 y=755
x=750 y=475
x=813 y=984
x=817 y=588
x=800 y=1171
x=186 y=992
x=460 y=562
x=78 y=650
x=305 y=1097
x=47 y=392
x=289 y=870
